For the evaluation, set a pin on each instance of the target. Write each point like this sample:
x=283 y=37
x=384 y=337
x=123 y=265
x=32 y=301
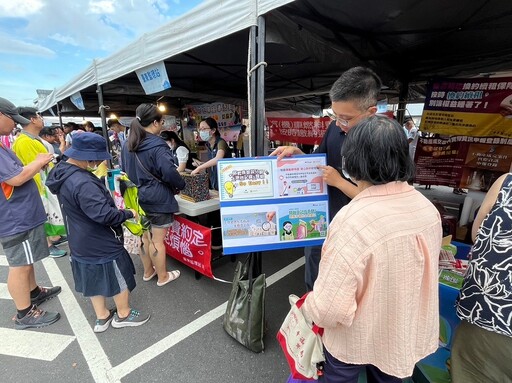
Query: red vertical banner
x=190 y=243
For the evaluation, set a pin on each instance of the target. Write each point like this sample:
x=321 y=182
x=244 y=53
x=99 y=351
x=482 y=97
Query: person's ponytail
x=145 y=114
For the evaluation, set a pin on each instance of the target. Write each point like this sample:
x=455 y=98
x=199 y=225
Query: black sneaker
x=103 y=324
x=35 y=318
x=132 y=320
x=45 y=294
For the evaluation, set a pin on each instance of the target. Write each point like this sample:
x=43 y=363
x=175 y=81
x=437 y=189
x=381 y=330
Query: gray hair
x=359 y=85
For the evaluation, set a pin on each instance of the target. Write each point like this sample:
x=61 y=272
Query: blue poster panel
x=268 y=204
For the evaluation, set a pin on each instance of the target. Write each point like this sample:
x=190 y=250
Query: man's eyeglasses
x=341 y=121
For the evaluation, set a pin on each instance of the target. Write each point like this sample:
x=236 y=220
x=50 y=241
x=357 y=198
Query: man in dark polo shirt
x=22 y=234
x=354 y=98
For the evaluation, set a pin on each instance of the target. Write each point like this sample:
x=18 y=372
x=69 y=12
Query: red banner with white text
x=298 y=130
x=190 y=243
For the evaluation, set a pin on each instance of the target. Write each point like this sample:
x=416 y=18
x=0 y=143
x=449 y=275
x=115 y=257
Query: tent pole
x=260 y=90
x=60 y=115
x=402 y=101
x=99 y=90
x=252 y=94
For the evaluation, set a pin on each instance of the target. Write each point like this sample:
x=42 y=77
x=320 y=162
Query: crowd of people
x=376 y=273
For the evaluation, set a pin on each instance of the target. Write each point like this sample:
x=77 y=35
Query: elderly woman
x=377 y=292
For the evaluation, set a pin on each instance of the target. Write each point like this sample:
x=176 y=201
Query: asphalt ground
x=183 y=342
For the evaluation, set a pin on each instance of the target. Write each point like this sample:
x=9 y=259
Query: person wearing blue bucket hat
x=101 y=266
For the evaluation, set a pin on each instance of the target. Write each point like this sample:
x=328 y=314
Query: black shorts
x=160 y=220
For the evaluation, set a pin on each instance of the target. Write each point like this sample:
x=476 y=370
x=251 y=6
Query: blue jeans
x=312 y=260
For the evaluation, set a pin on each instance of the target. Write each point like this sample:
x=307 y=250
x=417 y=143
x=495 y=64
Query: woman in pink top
x=377 y=292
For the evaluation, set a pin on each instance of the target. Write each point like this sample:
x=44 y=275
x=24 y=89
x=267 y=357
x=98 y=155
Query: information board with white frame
x=266 y=204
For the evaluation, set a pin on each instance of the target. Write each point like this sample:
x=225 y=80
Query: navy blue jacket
x=331 y=145
x=156 y=193
x=95 y=235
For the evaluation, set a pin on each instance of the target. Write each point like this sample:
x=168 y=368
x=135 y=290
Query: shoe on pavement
x=36 y=318
x=132 y=320
x=102 y=325
x=45 y=294
x=55 y=252
x=61 y=240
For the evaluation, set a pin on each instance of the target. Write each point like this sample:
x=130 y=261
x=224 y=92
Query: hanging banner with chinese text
x=190 y=244
x=226 y=115
x=153 y=78
x=462 y=162
x=470 y=107
x=298 y=130
x=77 y=100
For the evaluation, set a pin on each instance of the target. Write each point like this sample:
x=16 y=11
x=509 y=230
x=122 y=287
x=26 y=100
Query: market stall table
x=194 y=209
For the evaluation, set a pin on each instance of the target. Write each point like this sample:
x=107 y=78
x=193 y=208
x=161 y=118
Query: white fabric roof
x=217 y=19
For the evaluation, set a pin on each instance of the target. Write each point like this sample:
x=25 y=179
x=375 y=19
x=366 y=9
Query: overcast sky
x=45 y=43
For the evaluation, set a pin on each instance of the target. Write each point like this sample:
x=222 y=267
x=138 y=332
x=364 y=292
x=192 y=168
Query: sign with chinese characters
x=268 y=204
x=190 y=244
x=226 y=115
x=462 y=162
x=153 y=78
x=77 y=100
x=298 y=130
x=471 y=107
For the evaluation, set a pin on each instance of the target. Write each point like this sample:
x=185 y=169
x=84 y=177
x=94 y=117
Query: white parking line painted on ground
x=4 y=292
x=3 y=260
x=169 y=341
x=32 y=344
x=91 y=348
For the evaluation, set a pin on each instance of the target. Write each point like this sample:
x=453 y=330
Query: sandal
x=172 y=275
x=147 y=279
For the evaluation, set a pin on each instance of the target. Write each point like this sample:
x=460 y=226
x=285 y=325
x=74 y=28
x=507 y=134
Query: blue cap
x=88 y=146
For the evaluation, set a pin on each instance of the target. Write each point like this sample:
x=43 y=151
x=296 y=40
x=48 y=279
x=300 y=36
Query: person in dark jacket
x=145 y=158
x=101 y=266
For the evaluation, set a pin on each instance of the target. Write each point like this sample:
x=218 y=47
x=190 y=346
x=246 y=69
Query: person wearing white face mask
x=101 y=265
x=217 y=149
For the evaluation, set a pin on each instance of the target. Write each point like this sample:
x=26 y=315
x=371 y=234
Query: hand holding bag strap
x=316 y=329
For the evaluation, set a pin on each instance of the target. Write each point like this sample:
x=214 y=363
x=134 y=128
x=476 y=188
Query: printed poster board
x=268 y=204
x=462 y=162
x=477 y=107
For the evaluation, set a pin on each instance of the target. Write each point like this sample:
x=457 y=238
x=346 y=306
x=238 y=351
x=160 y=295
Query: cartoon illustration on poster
x=300 y=177
x=249 y=225
x=303 y=221
x=242 y=180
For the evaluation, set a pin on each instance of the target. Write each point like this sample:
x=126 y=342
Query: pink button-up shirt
x=376 y=293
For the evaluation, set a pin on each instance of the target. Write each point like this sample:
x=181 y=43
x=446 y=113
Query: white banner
x=77 y=100
x=153 y=78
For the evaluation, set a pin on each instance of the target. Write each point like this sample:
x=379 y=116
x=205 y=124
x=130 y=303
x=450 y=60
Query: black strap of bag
x=174 y=190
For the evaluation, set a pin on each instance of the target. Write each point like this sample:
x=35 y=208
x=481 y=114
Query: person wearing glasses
x=354 y=98
x=146 y=159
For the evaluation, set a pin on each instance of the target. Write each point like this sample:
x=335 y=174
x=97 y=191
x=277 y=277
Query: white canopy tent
x=207 y=22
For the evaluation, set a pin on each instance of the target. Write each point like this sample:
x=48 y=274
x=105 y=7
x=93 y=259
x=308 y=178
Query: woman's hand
x=135 y=214
x=196 y=171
